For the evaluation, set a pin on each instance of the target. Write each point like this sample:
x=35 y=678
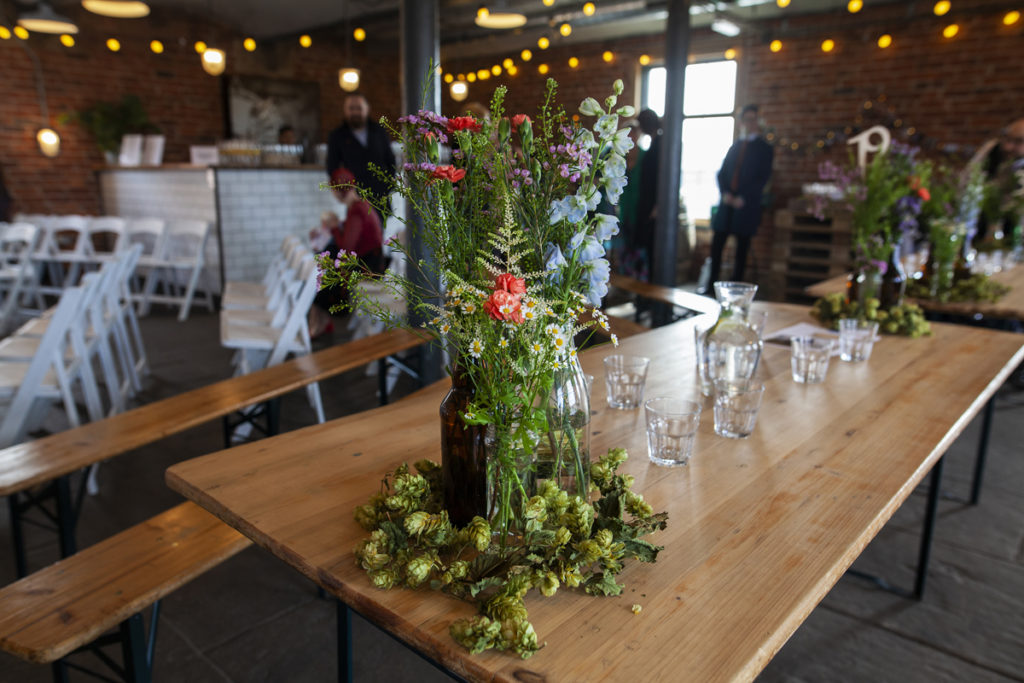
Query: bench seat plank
x=668 y=295
x=50 y=613
x=35 y=462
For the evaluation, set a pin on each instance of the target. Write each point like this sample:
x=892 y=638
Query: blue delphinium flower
x=606 y=226
x=598 y=272
x=621 y=142
x=559 y=209
x=607 y=125
x=613 y=187
x=554 y=261
x=615 y=165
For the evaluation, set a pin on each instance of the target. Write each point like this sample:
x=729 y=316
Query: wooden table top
x=1010 y=307
x=759 y=529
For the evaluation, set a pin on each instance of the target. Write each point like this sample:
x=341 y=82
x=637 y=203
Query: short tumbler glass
x=809 y=359
x=624 y=378
x=856 y=338
x=736 y=406
x=671 y=430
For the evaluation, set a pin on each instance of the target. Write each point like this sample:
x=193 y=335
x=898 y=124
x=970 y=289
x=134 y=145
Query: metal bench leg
x=273 y=416
x=344 y=642
x=382 y=380
x=17 y=536
x=65 y=517
x=60 y=671
x=133 y=648
x=979 y=459
x=927 y=531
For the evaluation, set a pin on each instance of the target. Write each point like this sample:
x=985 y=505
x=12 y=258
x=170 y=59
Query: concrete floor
x=255 y=619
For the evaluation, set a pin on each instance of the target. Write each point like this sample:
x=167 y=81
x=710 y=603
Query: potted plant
x=108 y=122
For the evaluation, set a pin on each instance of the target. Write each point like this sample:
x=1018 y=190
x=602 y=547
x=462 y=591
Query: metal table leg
x=979 y=459
x=344 y=642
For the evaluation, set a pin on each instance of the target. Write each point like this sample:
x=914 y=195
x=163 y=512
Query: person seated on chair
x=360 y=234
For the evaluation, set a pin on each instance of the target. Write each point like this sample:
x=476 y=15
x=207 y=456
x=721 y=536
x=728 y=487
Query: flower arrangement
x=1004 y=200
x=906 y=319
x=510 y=219
x=884 y=200
x=566 y=540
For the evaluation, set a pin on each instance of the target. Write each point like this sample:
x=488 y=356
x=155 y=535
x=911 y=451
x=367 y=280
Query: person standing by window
x=741 y=180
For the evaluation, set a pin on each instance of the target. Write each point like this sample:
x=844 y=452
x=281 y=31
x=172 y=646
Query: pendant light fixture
x=498 y=17
x=459 y=91
x=118 y=9
x=214 y=61
x=348 y=77
x=49 y=142
x=44 y=20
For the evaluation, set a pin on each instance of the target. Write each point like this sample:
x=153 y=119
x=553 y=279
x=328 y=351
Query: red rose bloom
x=924 y=194
x=463 y=123
x=510 y=283
x=504 y=305
x=449 y=173
x=518 y=120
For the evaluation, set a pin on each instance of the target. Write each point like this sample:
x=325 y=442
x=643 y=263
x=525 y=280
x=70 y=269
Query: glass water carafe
x=732 y=348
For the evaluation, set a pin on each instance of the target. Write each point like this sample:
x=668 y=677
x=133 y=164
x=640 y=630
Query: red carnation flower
x=463 y=123
x=504 y=305
x=924 y=194
x=510 y=283
x=449 y=173
x=518 y=120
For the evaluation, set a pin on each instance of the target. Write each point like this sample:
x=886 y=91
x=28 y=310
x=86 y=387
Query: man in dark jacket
x=356 y=144
x=741 y=180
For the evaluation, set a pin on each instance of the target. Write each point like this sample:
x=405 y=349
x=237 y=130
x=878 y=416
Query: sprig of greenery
x=566 y=540
x=907 y=319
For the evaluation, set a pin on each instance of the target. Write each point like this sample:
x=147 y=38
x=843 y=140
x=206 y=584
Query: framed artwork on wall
x=257 y=108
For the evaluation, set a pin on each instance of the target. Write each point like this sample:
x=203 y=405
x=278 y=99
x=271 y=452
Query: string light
x=507 y=62
x=156 y=46
x=854 y=6
x=775 y=45
x=512 y=70
x=483 y=13
x=459 y=91
x=573 y=62
x=941 y=7
x=214 y=61
x=526 y=55
x=828 y=45
x=548 y=3
x=448 y=78
x=21 y=32
x=360 y=35
x=644 y=60
x=589 y=9
x=884 y=40
x=496 y=70
x=782 y=3
x=113 y=44
x=565 y=29
x=5 y=33
x=607 y=55
x=249 y=44
x=200 y=47
x=305 y=41
x=471 y=77
x=542 y=69
x=543 y=42
x=348 y=79
x=1011 y=18
x=483 y=74
x=730 y=53
x=66 y=40
x=950 y=30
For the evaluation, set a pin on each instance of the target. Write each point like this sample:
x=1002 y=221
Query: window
x=709 y=99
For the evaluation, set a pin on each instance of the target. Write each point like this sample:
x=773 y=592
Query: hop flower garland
x=566 y=540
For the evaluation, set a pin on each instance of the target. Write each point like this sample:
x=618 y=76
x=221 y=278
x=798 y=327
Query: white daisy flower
x=537 y=348
x=549 y=311
x=603 y=324
x=572 y=353
x=468 y=307
x=529 y=303
x=559 y=342
x=553 y=330
x=505 y=309
x=476 y=347
x=503 y=343
x=470 y=415
x=445 y=328
x=615 y=340
x=528 y=314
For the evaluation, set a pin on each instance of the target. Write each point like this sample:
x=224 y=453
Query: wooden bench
x=668 y=295
x=53 y=458
x=71 y=604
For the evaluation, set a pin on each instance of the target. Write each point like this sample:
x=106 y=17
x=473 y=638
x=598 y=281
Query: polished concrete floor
x=254 y=619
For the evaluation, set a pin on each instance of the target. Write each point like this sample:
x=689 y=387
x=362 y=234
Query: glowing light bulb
x=565 y=29
x=730 y=53
x=496 y=70
x=249 y=44
x=360 y=35
x=471 y=77
x=644 y=60
x=483 y=13
x=884 y=41
x=483 y=74
x=941 y=7
x=156 y=46
x=543 y=42
x=526 y=55
x=854 y=6
x=65 y=40
x=548 y=3
x=507 y=62
x=589 y=9
x=950 y=30
x=305 y=41
x=775 y=45
x=542 y=69
x=200 y=47
x=607 y=55
x=828 y=45
x=448 y=78
x=782 y=3
x=573 y=62
x=512 y=70
x=214 y=61
x=459 y=91
x=113 y=44
x=21 y=32
x=5 y=33
x=1011 y=18
x=348 y=79
x=49 y=142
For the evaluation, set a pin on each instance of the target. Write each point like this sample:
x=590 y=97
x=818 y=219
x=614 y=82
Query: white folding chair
x=149 y=233
x=183 y=255
x=50 y=375
x=17 y=274
x=262 y=346
x=234 y=289
x=65 y=251
x=246 y=296
x=106 y=238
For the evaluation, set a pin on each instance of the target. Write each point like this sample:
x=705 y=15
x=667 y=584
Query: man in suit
x=357 y=143
x=741 y=180
x=643 y=224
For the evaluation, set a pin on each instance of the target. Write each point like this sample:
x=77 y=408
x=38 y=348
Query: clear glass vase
x=563 y=452
x=732 y=348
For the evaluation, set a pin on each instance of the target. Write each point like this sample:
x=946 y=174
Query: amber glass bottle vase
x=463 y=454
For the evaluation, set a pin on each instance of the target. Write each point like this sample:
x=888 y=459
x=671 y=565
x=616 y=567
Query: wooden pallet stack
x=807 y=250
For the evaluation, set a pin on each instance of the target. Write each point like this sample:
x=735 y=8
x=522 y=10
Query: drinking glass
x=671 y=430
x=699 y=333
x=736 y=406
x=856 y=339
x=624 y=378
x=809 y=359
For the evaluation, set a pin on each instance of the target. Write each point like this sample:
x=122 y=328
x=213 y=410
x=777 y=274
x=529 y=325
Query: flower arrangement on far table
x=515 y=220
x=1004 y=205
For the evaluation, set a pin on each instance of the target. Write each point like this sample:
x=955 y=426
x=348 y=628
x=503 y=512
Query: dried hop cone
x=479 y=533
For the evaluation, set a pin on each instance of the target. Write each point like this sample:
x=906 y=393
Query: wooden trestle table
x=759 y=529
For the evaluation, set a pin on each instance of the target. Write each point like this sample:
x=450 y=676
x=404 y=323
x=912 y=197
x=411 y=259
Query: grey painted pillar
x=677 y=44
x=421 y=49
